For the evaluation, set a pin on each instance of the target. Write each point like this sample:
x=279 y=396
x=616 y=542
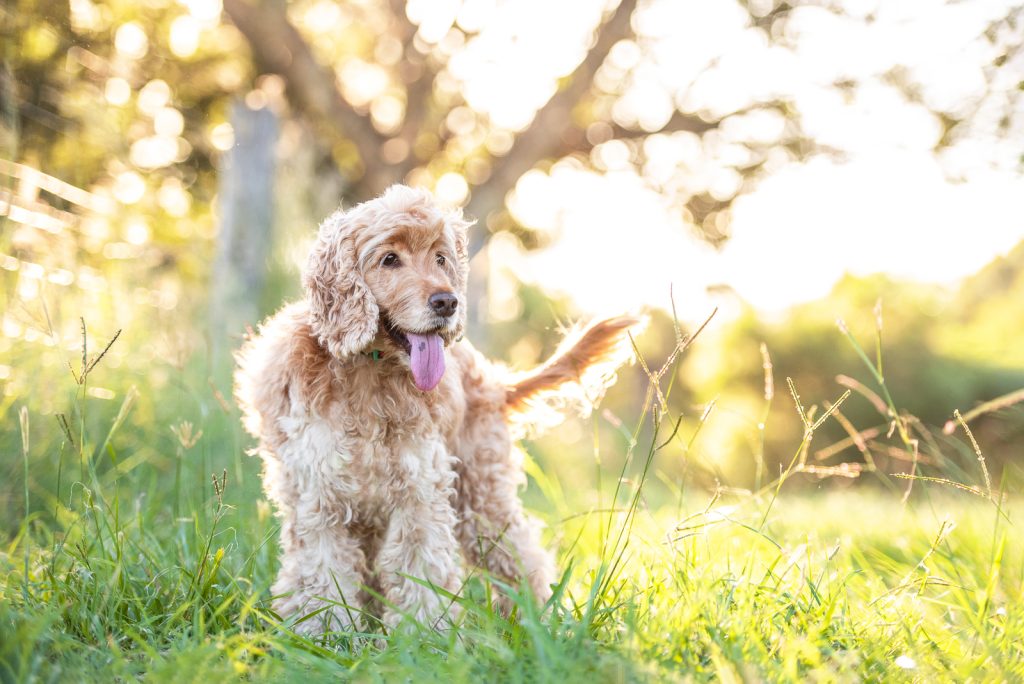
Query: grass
x=142 y=551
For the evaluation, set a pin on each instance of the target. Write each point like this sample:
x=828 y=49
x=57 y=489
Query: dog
x=386 y=438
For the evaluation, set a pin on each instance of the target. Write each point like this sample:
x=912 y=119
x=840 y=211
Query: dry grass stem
x=1005 y=401
x=977 y=452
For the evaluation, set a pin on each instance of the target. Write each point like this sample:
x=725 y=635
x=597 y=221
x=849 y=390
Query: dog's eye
x=390 y=260
x=441 y=261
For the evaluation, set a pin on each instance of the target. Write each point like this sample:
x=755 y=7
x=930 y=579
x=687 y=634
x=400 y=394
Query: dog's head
x=391 y=270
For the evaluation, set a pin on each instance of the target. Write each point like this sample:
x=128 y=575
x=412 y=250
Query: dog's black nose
x=443 y=303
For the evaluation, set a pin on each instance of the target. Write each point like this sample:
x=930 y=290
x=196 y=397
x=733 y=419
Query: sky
x=892 y=204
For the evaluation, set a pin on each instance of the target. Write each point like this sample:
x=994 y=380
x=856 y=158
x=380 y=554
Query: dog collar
x=375 y=354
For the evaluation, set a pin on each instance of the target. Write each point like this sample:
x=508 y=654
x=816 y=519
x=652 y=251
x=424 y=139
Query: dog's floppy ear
x=342 y=311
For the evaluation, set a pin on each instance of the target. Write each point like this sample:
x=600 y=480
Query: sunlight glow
x=117 y=91
x=886 y=203
x=154 y=95
x=173 y=198
x=131 y=41
x=452 y=189
x=85 y=16
x=205 y=11
x=387 y=112
x=434 y=17
x=511 y=89
x=168 y=122
x=129 y=187
x=184 y=36
x=137 y=232
x=361 y=82
x=101 y=393
x=605 y=227
x=153 y=152
x=322 y=16
x=222 y=136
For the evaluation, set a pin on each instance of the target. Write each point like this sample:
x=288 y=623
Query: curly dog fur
x=384 y=488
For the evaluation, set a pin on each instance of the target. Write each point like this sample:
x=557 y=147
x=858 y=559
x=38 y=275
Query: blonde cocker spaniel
x=386 y=439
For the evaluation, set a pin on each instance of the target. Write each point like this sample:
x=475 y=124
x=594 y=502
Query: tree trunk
x=246 y=221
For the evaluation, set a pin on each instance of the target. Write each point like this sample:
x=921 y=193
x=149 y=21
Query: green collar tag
x=375 y=354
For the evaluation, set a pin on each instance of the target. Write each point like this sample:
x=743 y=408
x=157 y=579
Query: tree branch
x=279 y=48
x=678 y=122
x=540 y=140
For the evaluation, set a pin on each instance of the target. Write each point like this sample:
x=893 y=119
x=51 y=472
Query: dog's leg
x=419 y=553
x=494 y=531
x=322 y=567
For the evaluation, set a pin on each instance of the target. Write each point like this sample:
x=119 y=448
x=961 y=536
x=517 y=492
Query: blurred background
x=164 y=165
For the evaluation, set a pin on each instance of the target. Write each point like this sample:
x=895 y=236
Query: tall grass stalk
x=24 y=424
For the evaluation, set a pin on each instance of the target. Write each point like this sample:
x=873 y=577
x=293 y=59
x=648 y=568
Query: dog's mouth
x=425 y=350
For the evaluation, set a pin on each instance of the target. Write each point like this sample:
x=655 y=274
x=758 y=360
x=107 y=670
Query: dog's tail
x=577 y=374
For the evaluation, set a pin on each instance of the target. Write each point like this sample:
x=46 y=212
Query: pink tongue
x=427 y=360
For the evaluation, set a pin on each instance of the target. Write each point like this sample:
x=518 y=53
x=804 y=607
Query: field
x=771 y=503
x=131 y=561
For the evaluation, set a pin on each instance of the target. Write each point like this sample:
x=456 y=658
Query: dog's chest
x=373 y=442
x=387 y=456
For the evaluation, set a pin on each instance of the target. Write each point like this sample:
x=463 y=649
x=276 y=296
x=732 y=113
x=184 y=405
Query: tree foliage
x=942 y=350
x=431 y=127
x=94 y=92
